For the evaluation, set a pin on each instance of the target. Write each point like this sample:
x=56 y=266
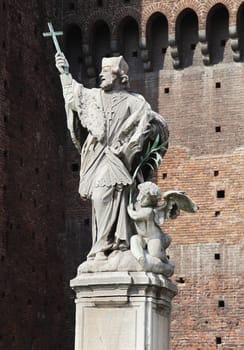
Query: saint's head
x=114 y=73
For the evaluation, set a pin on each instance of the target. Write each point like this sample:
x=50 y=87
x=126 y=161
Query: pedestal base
x=122 y=310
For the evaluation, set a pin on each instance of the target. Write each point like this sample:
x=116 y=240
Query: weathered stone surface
x=121 y=310
x=121 y=127
x=194 y=106
x=126 y=261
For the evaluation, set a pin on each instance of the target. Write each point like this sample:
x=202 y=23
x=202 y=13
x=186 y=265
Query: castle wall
x=32 y=284
x=197 y=85
x=45 y=229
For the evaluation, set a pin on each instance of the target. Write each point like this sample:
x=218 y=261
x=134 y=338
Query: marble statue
x=149 y=244
x=121 y=128
x=126 y=140
x=120 y=141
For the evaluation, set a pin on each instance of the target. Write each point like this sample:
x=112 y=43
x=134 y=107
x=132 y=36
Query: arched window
x=240 y=29
x=187 y=36
x=217 y=32
x=73 y=50
x=157 y=39
x=129 y=44
x=100 y=44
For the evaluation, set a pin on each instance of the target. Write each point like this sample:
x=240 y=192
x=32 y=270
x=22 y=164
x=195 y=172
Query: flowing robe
x=118 y=123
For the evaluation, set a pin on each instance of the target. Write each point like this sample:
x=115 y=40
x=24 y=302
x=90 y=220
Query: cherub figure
x=150 y=243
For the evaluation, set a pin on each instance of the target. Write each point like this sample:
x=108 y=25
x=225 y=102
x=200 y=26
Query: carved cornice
x=204 y=47
x=174 y=51
x=234 y=42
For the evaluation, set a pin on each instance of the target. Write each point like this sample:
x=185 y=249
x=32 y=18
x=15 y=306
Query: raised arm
x=69 y=85
x=71 y=92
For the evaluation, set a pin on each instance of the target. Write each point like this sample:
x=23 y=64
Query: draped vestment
x=118 y=123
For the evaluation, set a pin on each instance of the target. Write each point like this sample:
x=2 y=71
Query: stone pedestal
x=122 y=310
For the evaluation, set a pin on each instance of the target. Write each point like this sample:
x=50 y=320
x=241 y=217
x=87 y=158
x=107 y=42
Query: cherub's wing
x=182 y=201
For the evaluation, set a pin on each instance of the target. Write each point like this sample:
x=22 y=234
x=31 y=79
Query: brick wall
x=203 y=105
x=45 y=228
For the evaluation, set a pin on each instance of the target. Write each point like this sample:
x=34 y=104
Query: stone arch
x=73 y=18
x=129 y=43
x=240 y=30
x=157 y=39
x=186 y=36
x=217 y=32
x=90 y=21
x=124 y=12
x=210 y=4
x=148 y=12
x=73 y=50
x=182 y=5
x=100 y=44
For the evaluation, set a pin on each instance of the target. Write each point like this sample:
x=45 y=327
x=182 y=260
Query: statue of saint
x=120 y=125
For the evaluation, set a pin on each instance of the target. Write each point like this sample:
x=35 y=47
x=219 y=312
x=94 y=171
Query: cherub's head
x=149 y=194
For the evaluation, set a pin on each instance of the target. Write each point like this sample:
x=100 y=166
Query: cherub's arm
x=136 y=215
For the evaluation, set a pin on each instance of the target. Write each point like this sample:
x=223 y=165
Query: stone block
x=122 y=310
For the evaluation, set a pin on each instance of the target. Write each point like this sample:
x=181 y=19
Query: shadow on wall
x=129 y=46
x=155 y=52
x=73 y=52
x=150 y=53
x=217 y=32
x=157 y=40
x=187 y=37
x=240 y=31
x=148 y=57
x=100 y=45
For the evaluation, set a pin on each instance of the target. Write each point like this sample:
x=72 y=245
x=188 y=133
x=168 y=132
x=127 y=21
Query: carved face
x=107 y=78
x=149 y=194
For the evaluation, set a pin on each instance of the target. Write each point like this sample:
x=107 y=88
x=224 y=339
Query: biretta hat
x=117 y=64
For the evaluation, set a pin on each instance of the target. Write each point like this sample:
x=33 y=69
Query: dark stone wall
x=196 y=83
x=33 y=282
x=45 y=227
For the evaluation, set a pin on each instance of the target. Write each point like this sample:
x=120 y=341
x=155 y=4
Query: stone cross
x=54 y=35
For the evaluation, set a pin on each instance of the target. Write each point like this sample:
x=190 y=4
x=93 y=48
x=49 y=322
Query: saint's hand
x=61 y=62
